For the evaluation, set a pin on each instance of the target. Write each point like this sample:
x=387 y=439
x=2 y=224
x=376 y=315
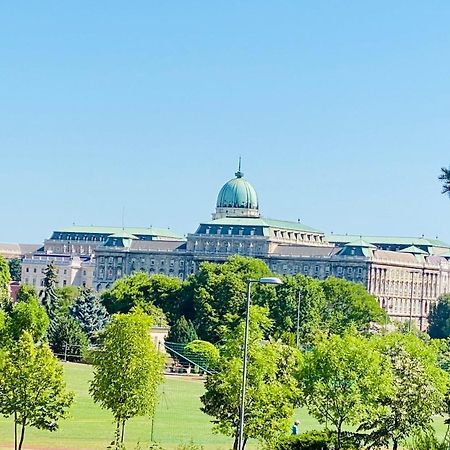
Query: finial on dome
x=239 y=174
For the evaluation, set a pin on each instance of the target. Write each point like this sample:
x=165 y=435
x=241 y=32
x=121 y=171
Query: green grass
x=178 y=420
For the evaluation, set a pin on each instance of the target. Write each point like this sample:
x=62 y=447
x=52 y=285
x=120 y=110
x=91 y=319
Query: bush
x=320 y=440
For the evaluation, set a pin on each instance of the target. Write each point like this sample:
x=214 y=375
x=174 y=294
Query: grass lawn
x=178 y=420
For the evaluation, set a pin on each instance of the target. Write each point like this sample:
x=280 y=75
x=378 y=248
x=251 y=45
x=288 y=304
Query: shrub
x=320 y=440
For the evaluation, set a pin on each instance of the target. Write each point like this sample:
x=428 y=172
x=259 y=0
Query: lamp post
x=298 y=316
x=412 y=272
x=264 y=280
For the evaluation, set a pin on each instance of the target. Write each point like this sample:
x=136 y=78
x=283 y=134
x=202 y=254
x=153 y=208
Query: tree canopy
x=439 y=318
x=127 y=369
x=5 y=277
x=15 y=269
x=445 y=178
x=272 y=390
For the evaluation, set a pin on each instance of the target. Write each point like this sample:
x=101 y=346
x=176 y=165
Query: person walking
x=295 y=428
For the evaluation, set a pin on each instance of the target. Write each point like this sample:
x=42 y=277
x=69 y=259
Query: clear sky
x=340 y=110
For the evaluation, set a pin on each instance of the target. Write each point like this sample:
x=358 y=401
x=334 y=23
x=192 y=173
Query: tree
x=127 y=369
x=439 y=318
x=341 y=379
x=32 y=388
x=140 y=289
x=28 y=315
x=182 y=332
x=26 y=293
x=417 y=389
x=284 y=307
x=15 y=269
x=66 y=296
x=48 y=294
x=218 y=293
x=89 y=313
x=66 y=337
x=5 y=277
x=203 y=351
x=349 y=305
x=272 y=389
x=445 y=178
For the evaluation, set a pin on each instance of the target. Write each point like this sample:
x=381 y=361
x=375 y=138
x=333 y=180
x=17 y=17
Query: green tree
x=140 y=289
x=5 y=277
x=306 y=292
x=66 y=337
x=28 y=315
x=445 y=178
x=66 y=296
x=89 y=313
x=26 y=293
x=204 y=351
x=32 y=388
x=218 y=293
x=15 y=269
x=127 y=370
x=48 y=294
x=349 y=305
x=417 y=389
x=272 y=389
x=341 y=378
x=439 y=318
x=182 y=331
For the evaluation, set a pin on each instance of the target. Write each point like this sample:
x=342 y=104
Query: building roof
x=389 y=240
x=262 y=222
x=414 y=250
x=237 y=193
x=360 y=242
x=142 y=231
x=13 y=250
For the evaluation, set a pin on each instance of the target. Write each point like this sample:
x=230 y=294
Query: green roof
x=150 y=231
x=390 y=240
x=360 y=243
x=262 y=222
x=237 y=193
x=414 y=250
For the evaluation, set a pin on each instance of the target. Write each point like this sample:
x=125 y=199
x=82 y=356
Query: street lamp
x=264 y=280
x=412 y=272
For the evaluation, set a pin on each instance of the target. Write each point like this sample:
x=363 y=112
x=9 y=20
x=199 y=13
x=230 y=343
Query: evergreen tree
x=15 y=269
x=89 y=313
x=66 y=336
x=445 y=178
x=49 y=297
x=182 y=332
x=5 y=277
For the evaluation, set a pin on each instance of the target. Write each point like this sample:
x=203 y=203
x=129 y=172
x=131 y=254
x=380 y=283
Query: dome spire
x=239 y=174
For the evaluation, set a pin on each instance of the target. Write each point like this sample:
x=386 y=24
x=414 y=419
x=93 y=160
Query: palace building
x=407 y=275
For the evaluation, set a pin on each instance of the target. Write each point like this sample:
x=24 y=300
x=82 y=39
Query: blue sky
x=340 y=110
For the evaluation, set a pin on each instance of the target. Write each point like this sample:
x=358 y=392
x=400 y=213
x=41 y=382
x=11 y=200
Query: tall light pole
x=265 y=280
x=298 y=316
x=412 y=272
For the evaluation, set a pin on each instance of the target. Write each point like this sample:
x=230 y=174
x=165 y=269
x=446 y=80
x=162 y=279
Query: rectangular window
x=339 y=270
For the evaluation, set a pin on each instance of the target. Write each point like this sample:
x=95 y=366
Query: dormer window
x=208 y=229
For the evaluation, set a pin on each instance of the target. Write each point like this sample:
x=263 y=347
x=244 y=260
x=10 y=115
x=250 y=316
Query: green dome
x=237 y=193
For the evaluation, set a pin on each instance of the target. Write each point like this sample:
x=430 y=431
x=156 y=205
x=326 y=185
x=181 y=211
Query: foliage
x=191 y=445
x=66 y=337
x=349 y=305
x=319 y=440
x=218 y=294
x=48 y=294
x=445 y=178
x=439 y=318
x=271 y=386
x=32 y=388
x=26 y=293
x=15 y=269
x=139 y=289
x=182 y=331
x=427 y=441
x=284 y=307
x=66 y=296
x=89 y=313
x=5 y=277
x=127 y=369
x=204 y=350
x=28 y=315
x=417 y=389
x=341 y=378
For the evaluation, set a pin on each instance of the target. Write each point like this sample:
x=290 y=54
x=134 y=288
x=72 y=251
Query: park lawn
x=178 y=419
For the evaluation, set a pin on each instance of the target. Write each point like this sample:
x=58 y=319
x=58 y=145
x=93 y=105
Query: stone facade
x=407 y=275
